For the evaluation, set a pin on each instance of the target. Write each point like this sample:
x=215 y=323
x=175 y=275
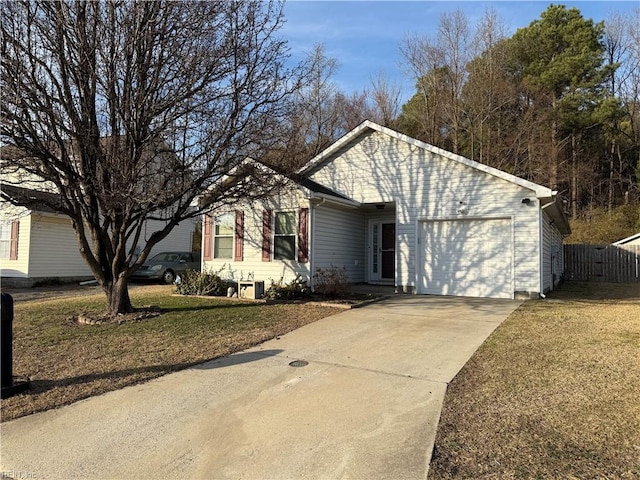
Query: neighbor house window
x=5 y=240
x=284 y=237
x=223 y=236
x=9 y=240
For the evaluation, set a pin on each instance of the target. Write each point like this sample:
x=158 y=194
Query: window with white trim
x=223 y=236
x=284 y=236
x=5 y=240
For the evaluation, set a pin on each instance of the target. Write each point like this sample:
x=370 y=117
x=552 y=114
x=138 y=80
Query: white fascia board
x=339 y=201
x=626 y=240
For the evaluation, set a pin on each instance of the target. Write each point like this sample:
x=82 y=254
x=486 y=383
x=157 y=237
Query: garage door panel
x=467 y=258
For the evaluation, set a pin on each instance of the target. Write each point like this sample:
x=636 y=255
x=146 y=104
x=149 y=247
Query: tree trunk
x=574 y=177
x=611 y=168
x=553 y=167
x=118 y=296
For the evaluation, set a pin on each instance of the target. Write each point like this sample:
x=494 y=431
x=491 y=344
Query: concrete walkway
x=366 y=406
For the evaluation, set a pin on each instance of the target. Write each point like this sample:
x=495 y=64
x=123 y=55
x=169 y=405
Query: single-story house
x=392 y=210
x=38 y=245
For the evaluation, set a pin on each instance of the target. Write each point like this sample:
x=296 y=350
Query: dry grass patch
x=68 y=362
x=553 y=393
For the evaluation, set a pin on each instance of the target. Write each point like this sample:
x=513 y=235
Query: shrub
x=295 y=289
x=203 y=283
x=331 y=282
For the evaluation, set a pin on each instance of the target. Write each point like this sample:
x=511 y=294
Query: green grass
x=67 y=361
x=553 y=393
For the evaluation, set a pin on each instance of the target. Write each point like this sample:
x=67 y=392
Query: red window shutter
x=206 y=237
x=239 y=240
x=266 y=235
x=13 y=247
x=303 y=236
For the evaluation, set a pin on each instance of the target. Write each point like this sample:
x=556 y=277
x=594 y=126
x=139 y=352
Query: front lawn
x=67 y=361
x=553 y=393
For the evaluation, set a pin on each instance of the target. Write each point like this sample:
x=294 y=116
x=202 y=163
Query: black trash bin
x=10 y=384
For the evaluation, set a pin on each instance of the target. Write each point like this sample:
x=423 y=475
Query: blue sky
x=365 y=36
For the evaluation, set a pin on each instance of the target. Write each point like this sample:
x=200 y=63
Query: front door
x=383 y=252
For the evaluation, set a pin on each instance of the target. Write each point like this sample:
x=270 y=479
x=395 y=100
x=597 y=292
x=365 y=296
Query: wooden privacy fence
x=602 y=263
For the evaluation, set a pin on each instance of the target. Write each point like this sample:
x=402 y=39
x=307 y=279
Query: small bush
x=331 y=282
x=203 y=283
x=294 y=290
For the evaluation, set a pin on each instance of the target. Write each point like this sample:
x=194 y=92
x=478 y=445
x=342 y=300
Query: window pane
x=285 y=223
x=5 y=239
x=224 y=224
x=223 y=247
x=284 y=247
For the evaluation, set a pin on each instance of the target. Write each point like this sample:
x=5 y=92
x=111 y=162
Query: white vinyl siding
x=252 y=266
x=427 y=186
x=340 y=240
x=552 y=255
x=54 y=249
x=180 y=239
x=48 y=247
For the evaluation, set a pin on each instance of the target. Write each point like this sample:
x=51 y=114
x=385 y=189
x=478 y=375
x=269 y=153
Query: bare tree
x=438 y=65
x=129 y=111
x=617 y=54
x=385 y=99
x=422 y=116
x=630 y=88
x=487 y=94
x=380 y=104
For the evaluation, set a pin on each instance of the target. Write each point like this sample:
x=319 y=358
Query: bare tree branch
x=128 y=111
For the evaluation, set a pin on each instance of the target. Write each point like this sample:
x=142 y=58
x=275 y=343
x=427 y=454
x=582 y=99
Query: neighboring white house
x=41 y=245
x=393 y=210
x=632 y=241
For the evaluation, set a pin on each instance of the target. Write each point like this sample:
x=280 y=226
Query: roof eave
x=552 y=207
x=626 y=240
x=336 y=200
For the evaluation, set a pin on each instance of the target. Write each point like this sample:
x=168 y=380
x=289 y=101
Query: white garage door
x=471 y=258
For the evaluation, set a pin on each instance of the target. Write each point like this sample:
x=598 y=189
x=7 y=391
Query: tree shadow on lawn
x=143 y=374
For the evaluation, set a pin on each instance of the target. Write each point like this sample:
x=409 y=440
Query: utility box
x=250 y=289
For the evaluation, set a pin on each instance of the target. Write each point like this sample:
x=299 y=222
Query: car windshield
x=164 y=257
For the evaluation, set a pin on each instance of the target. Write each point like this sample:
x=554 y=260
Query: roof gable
x=627 y=240
x=329 y=154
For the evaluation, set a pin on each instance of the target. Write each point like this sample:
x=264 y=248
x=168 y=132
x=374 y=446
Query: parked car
x=166 y=266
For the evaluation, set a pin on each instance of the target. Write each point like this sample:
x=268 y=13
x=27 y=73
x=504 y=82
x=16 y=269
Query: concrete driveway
x=365 y=406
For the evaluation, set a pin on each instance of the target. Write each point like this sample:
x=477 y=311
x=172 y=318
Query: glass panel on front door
x=388 y=251
x=374 y=261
